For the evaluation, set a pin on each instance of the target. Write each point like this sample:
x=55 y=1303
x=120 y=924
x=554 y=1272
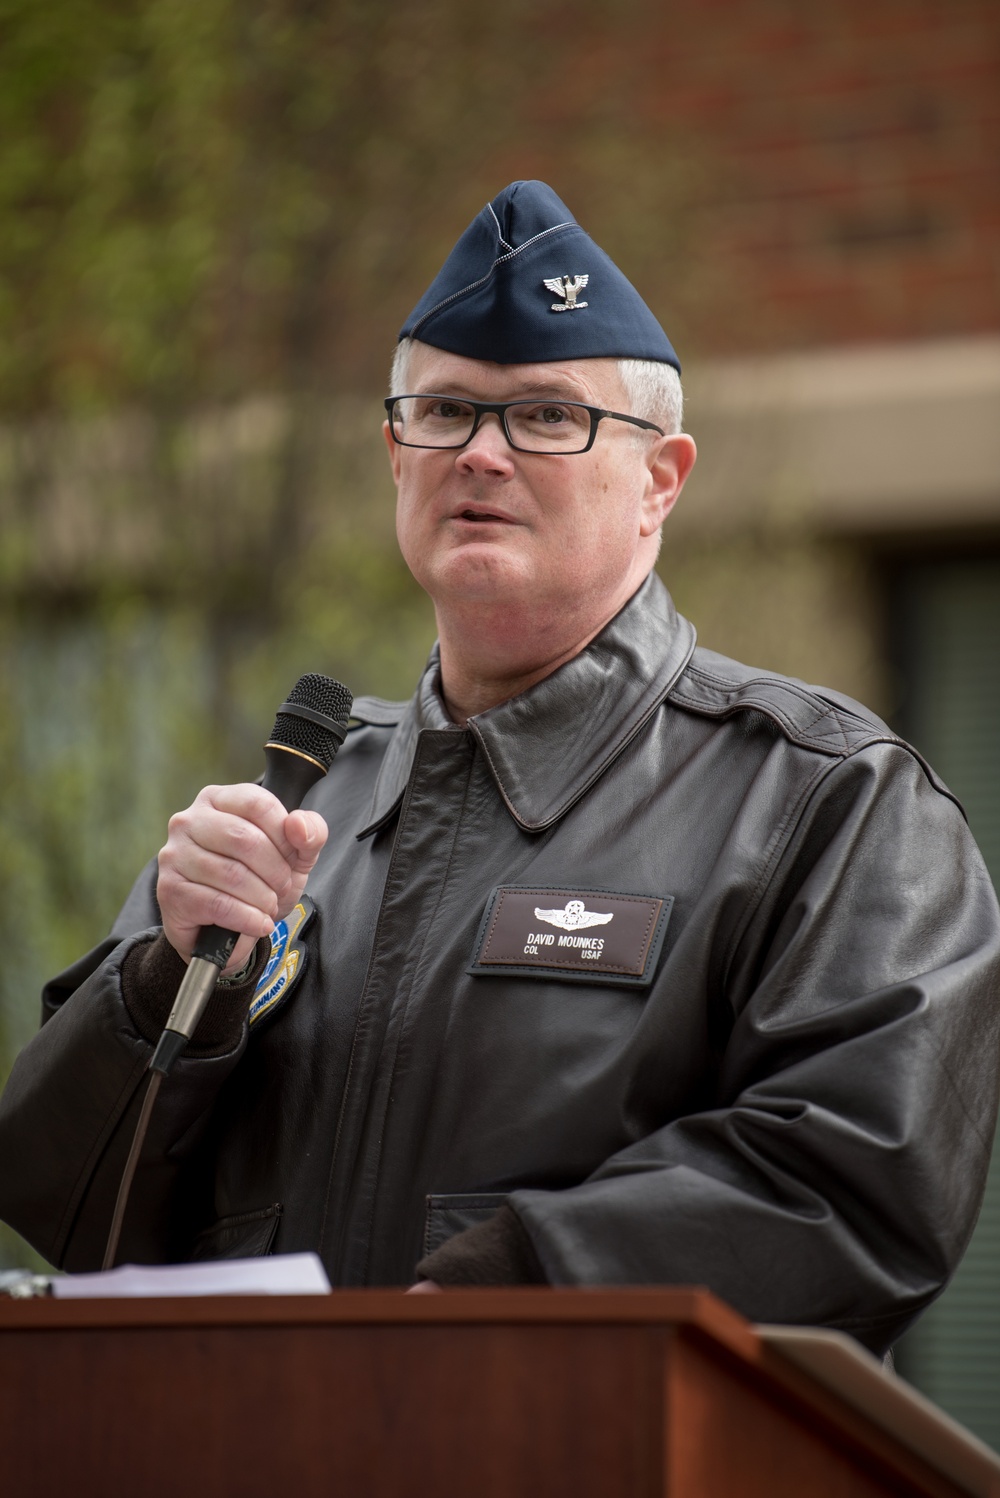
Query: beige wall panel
x=801 y=606
x=848 y=441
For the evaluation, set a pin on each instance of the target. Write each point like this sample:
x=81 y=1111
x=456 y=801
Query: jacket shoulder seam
x=797 y=712
x=806 y=718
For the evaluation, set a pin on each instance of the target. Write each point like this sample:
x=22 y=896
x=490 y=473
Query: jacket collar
x=425 y=709
x=547 y=746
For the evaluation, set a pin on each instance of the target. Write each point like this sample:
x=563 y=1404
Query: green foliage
x=195 y=192
x=203 y=197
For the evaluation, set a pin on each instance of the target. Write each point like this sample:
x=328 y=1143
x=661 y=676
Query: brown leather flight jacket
x=783 y=1087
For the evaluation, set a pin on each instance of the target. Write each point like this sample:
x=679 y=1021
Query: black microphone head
x=314 y=719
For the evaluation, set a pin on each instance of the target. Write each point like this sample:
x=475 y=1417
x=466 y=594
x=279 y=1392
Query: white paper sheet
x=277 y=1274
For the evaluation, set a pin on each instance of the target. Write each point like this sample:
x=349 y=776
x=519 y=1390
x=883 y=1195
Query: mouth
x=482 y=516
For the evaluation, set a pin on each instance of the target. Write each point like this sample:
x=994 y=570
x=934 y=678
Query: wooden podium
x=485 y=1393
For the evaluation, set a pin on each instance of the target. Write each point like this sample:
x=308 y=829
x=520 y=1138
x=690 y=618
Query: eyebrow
x=526 y=392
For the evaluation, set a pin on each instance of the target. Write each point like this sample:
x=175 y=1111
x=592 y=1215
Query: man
x=619 y=963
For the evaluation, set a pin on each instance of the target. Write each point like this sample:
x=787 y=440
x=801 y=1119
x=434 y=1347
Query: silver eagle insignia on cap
x=568 y=287
x=574 y=916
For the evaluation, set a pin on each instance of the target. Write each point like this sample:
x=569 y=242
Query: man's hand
x=235 y=858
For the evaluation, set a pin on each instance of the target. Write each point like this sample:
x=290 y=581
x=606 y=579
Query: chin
x=484 y=573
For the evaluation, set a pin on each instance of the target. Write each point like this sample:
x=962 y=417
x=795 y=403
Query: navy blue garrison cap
x=526 y=285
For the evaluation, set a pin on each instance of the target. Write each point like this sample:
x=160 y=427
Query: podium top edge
x=689 y=1306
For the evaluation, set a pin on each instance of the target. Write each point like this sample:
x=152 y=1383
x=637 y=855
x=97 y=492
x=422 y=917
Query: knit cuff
x=151 y=975
x=496 y=1252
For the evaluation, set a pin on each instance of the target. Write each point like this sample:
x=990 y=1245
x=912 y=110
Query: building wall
x=847 y=185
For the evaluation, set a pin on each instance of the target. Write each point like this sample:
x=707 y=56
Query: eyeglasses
x=538 y=426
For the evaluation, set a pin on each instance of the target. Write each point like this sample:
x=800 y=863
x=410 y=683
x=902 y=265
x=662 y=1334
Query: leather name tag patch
x=582 y=934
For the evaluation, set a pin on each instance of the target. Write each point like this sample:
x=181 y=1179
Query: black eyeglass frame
x=500 y=409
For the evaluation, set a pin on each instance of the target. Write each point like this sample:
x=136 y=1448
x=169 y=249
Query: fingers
x=241 y=955
x=234 y=859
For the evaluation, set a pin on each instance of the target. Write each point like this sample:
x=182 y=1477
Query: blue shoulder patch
x=286 y=963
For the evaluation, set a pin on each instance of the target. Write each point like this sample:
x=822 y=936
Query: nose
x=488 y=452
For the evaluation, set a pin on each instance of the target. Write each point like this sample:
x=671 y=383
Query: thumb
x=306 y=833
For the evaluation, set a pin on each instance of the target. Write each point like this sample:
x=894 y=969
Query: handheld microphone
x=308 y=730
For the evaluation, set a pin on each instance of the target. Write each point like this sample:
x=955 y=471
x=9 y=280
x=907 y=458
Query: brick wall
x=845 y=160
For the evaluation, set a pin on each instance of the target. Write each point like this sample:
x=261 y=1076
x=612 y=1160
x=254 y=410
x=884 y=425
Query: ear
x=395 y=452
x=670 y=462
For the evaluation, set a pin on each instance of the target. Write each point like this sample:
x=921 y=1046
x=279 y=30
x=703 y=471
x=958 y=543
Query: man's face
x=485 y=524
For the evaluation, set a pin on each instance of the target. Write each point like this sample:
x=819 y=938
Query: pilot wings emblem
x=574 y=917
x=568 y=287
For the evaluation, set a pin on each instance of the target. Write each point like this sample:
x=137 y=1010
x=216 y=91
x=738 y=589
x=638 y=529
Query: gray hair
x=653 y=390
x=399 y=373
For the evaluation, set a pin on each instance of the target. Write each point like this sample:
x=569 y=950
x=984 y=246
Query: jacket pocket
x=448 y=1215
x=247 y=1235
